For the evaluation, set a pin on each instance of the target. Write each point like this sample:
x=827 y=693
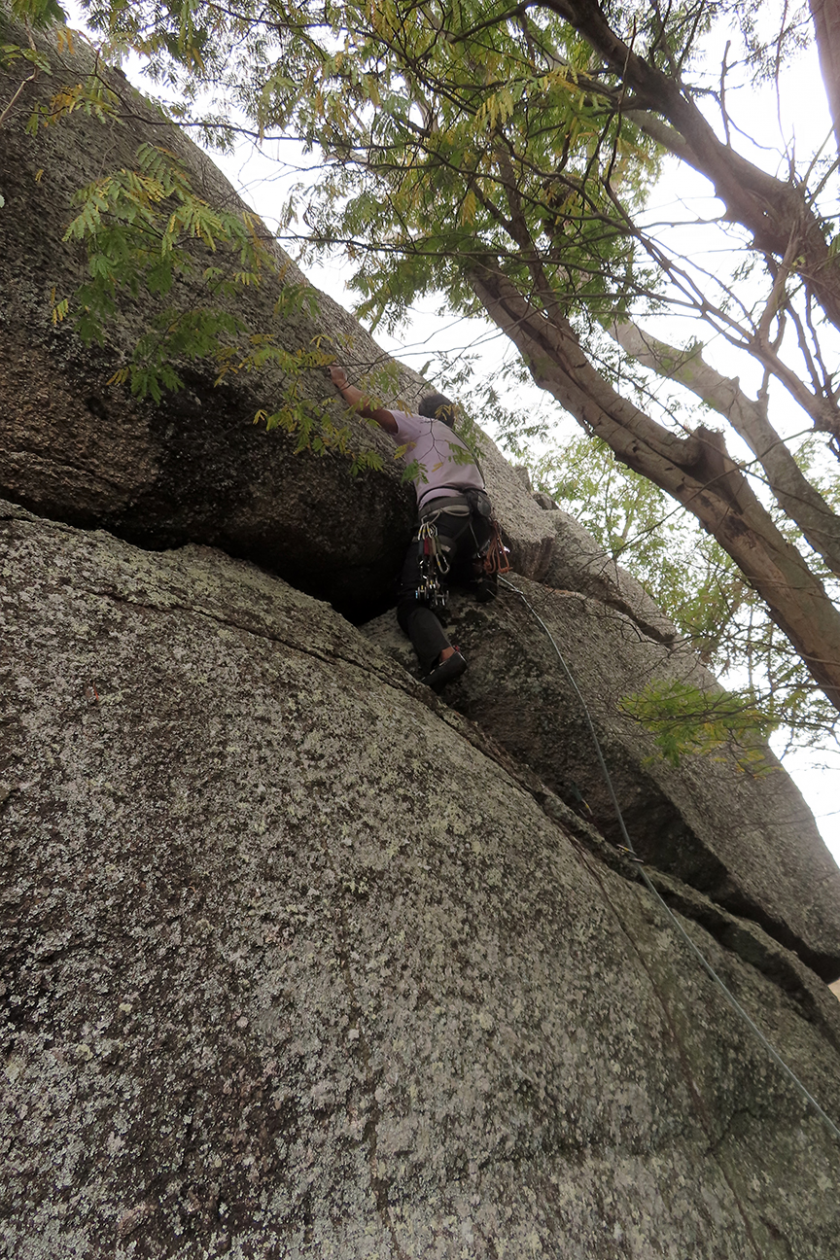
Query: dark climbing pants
x=460 y=538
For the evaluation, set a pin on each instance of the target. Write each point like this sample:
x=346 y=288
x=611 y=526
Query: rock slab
x=294 y=966
x=193 y=467
x=736 y=829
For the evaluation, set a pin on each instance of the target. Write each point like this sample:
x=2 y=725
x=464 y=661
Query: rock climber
x=455 y=527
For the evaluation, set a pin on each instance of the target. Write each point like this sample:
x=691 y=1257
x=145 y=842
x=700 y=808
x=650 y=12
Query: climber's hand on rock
x=338 y=376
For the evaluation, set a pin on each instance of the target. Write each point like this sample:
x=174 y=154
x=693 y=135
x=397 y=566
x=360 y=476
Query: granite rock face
x=577 y=563
x=298 y=964
x=737 y=830
x=298 y=960
x=193 y=467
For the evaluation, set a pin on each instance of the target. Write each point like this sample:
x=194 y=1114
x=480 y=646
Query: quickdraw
x=432 y=562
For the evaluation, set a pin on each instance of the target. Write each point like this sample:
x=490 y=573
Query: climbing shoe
x=445 y=671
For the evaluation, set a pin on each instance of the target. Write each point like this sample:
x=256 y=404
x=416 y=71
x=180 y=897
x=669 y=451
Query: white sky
x=265 y=178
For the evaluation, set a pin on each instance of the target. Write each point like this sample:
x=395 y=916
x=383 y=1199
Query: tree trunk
x=696 y=471
x=826 y=16
x=791 y=489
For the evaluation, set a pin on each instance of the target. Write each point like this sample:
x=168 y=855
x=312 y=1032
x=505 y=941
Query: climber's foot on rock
x=449 y=666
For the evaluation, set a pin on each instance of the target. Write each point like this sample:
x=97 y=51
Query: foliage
x=686 y=720
x=155 y=246
x=149 y=232
x=39 y=13
x=688 y=575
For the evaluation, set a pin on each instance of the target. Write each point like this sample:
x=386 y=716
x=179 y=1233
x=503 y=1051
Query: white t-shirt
x=431 y=442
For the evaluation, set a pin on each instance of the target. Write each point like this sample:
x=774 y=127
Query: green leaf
x=688 y=721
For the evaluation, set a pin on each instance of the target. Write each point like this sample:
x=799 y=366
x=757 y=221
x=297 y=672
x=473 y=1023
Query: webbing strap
x=459 y=496
x=458 y=509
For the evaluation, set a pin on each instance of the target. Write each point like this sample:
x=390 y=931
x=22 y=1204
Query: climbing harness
x=628 y=847
x=490 y=557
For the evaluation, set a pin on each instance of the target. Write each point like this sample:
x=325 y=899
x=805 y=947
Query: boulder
x=298 y=964
x=731 y=823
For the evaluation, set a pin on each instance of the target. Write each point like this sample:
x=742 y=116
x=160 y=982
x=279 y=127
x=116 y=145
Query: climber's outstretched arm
x=357 y=400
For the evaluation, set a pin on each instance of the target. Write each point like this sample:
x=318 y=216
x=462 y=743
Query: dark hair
x=438 y=407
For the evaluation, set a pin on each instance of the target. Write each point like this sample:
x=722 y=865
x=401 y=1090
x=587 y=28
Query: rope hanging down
x=707 y=966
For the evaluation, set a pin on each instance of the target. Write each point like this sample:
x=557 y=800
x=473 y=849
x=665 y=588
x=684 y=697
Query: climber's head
x=438 y=407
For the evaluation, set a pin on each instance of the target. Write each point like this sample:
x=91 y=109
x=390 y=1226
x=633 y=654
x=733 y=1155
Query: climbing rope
x=707 y=966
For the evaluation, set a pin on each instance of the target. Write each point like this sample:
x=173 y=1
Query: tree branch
x=771 y=209
x=791 y=489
